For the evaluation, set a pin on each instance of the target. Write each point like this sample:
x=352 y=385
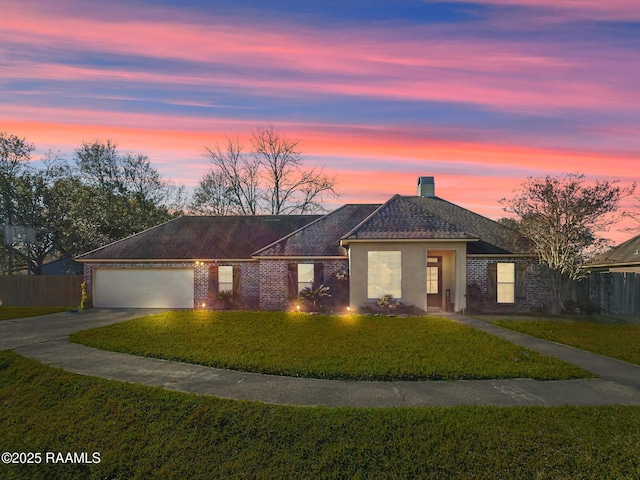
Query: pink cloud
x=412 y=64
x=576 y=9
x=288 y=60
x=363 y=147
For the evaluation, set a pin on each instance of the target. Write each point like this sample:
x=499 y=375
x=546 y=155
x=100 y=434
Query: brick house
x=622 y=258
x=422 y=250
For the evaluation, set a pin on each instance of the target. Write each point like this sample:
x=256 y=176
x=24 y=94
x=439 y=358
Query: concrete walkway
x=46 y=339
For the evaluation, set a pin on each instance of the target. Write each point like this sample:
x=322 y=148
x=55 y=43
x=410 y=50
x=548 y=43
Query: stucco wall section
x=414 y=271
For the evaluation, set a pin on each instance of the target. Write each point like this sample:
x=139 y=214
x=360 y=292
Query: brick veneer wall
x=249 y=294
x=250 y=284
x=274 y=282
x=249 y=279
x=477 y=276
x=263 y=284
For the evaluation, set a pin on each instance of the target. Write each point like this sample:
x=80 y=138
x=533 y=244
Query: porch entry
x=434 y=281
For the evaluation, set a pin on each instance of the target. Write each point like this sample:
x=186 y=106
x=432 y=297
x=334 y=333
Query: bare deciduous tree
x=271 y=179
x=564 y=218
x=237 y=171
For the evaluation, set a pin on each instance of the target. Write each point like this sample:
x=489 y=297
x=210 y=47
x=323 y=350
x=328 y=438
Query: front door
x=434 y=282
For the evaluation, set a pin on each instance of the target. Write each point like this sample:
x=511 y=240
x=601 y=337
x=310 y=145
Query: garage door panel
x=143 y=288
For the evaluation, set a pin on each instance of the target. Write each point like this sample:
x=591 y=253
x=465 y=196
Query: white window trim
x=506 y=282
x=306 y=274
x=381 y=268
x=225 y=278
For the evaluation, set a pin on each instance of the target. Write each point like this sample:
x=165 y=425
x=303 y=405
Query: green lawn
x=8 y=313
x=147 y=432
x=353 y=347
x=617 y=340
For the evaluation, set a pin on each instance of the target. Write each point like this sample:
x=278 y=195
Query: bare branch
x=269 y=180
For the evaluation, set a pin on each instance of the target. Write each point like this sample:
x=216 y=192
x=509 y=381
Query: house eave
x=501 y=255
x=301 y=257
x=345 y=242
x=612 y=265
x=164 y=260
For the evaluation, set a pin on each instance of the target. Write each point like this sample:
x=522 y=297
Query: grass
x=8 y=313
x=615 y=337
x=332 y=347
x=147 y=432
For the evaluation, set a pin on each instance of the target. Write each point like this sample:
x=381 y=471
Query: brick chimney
x=426 y=187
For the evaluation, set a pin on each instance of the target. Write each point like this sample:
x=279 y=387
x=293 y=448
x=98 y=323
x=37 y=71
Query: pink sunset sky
x=479 y=94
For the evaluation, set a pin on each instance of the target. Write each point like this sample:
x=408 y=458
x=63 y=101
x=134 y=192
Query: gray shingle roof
x=432 y=218
x=241 y=237
x=627 y=253
x=202 y=237
x=322 y=237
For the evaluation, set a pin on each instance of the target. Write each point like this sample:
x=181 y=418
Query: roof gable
x=202 y=237
x=321 y=237
x=432 y=218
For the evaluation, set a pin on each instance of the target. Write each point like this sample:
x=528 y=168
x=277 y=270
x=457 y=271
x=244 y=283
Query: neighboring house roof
x=626 y=254
x=62 y=266
x=321 y=237
x=202 y=237
x=432 y=218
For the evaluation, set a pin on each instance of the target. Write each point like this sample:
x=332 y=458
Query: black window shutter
x=293 y=280
x=318 y=275
x=214 y=286
x=492 y=281
x=236 y=279
x=521 y=282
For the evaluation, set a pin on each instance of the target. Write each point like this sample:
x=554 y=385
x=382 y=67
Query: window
x=384 y=274
x=303 y=275
x=225 y=278
x=306 y=274
x=433 y=275
x=506 y=281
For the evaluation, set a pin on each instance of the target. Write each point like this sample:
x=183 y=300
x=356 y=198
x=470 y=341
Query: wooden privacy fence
x=611 y=292
x=41 y=290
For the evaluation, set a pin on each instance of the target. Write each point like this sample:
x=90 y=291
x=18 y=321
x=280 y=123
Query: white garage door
x=143 y=288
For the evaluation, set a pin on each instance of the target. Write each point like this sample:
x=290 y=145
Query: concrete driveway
x=33 y=330
x=46 y=339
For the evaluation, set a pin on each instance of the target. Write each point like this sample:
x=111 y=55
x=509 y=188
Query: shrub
x=387 y=302
x=313 y=297
x=477 y=299
x=587 y=307
x=226 y=297
x=338 y=284
x=389 y=305
x=85 y=299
